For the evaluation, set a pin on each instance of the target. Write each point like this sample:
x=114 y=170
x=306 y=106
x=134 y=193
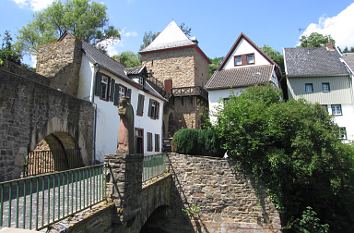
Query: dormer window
x=238 y=60
x=244 y=59
x=250 y=58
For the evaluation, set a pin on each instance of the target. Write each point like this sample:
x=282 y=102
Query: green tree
x=85 y=19
x=293 y=149
x=276 y=56
x=8 y=50
x=215 y=63
x=316 y=39
x=347 y=50
x=127 y=59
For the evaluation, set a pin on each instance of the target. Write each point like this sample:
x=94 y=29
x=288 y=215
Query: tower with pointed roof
x=179 y=69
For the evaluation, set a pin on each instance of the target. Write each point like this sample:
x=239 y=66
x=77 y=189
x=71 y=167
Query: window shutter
x=150 y=105
x=157 y=110
x=98 y=84
x=116 y=94
x=111 y=94
x=129 y=94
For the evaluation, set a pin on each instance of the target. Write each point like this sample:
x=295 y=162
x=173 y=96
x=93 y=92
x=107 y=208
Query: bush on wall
x=197 y=142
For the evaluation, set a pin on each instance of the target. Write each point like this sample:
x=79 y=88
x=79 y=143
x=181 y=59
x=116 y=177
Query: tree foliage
x=348 y=50
x=85 y=19
x=8 y=51
x=215 y=63
x=276 y=56
x=127 y=59
x=293 y=149
x=316 y=39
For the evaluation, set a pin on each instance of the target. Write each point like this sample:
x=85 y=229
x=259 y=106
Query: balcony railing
x=190 y=91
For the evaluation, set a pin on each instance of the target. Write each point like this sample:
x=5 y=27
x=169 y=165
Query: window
x=157 y=142
x=342 y=133
x=238 y=60
x=140 y=108
x=122 y=91
x=154 y=109
x=149 y=141
x=104 y=87
x=250 y=58
x=326 y=87
x=308 y=87
x=336 y=109
x=139 y=141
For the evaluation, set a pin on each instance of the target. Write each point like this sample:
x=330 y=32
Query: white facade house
x=244 y=65
x=103 y=81
x=321 y=75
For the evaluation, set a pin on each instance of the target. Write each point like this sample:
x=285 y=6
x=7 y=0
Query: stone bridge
x=31 y=111
x=197 y=194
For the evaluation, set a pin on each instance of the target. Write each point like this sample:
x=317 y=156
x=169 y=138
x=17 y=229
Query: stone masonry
x=218 y=197
x=60 y=62
x=186 y=67
x=30 y=111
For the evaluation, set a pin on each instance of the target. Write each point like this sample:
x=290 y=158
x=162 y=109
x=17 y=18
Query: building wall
x=107 y=113
x=177 y=64
x=245 y=48
x=216 y=100
x=201 y=69
x=341 y=90
x=60 y=62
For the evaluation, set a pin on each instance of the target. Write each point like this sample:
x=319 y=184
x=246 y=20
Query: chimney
x=330 y=46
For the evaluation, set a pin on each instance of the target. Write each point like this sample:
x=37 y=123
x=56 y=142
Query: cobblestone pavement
x=34 y=210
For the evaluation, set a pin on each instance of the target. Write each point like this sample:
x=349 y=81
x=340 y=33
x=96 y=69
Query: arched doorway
x=156 y=223
x=56 y=152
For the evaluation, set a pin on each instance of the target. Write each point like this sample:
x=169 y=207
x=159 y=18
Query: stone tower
x=179 y=70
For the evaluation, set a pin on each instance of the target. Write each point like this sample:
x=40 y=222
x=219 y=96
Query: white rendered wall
x=346 y=120
x=245 y=48
x=216 y=100
x=86 y=79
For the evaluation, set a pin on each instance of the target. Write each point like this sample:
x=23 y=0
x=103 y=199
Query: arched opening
x=56 y=152
x=156 y=223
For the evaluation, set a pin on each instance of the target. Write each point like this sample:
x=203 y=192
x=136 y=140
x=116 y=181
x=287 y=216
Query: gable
x=243 y=46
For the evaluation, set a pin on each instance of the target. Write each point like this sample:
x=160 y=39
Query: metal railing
x=38 y=201
x=46 y=161
x=154 y=165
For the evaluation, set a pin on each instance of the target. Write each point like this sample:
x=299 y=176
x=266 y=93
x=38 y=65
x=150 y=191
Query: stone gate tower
x=179 y=70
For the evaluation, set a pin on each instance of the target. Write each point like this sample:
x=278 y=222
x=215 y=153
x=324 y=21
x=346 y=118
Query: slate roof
x=103 y=60
x=349 y=59
x=134 y=70
x=306 y=62
x=240 y=77
x=172 y=36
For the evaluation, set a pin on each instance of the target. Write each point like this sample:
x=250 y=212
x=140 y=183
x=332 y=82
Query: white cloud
x=114 y=46
x=35 y=5
x=340 y=27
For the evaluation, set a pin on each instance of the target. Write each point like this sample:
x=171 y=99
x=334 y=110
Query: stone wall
x=60 y=62
x=177 y=65
x=218 y=197
x=201 y=69
x=29 y=112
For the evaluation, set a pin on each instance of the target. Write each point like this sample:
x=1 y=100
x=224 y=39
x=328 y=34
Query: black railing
x=190 y=91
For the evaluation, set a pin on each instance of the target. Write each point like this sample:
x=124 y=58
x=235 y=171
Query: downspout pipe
x=92 y=100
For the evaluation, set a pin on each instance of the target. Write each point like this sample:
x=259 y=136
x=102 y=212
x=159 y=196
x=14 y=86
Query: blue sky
x=216 y=24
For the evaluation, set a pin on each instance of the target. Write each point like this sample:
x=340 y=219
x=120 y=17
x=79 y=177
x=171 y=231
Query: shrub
x=293 y=148
x=197 y=142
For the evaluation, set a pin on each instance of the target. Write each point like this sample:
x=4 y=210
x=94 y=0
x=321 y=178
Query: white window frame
x=307 y=85
x=336 y=109
x=343 y=133
x=104 y=83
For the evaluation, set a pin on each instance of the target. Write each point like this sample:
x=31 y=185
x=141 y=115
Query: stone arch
x=155 y=221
